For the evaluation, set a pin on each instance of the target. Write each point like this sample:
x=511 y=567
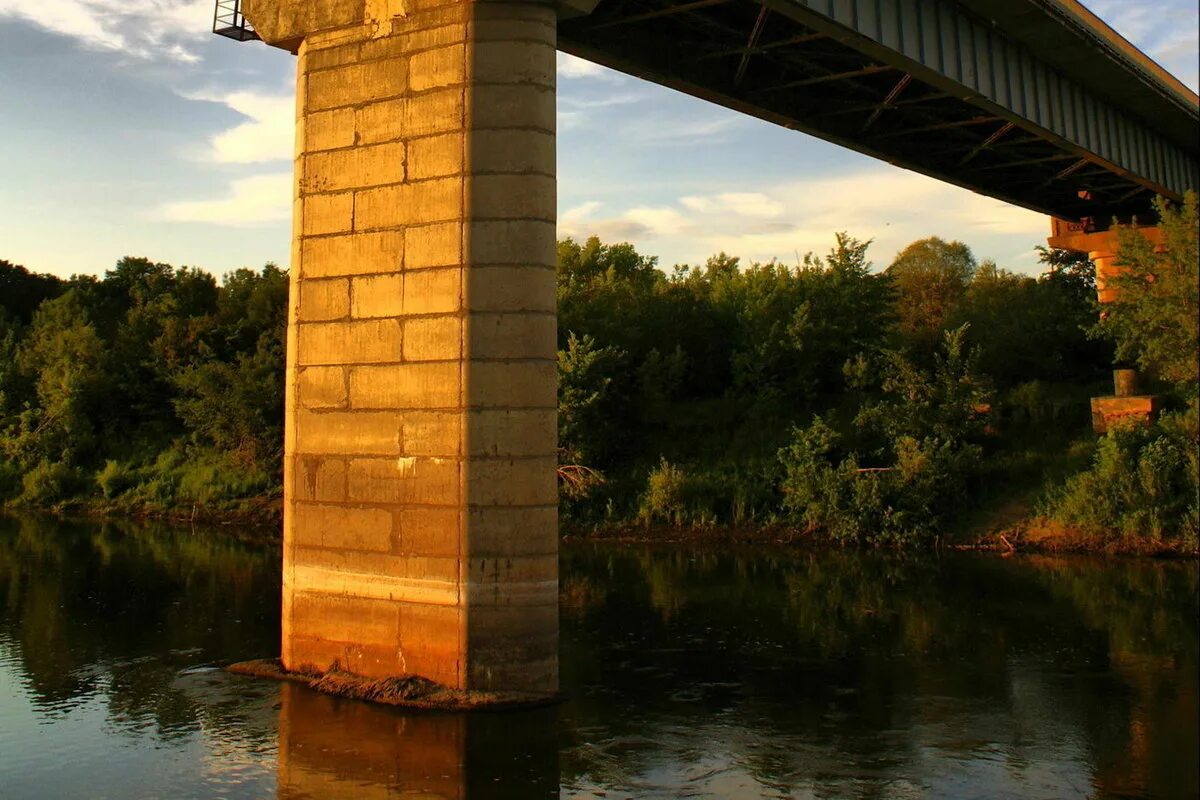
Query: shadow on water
x=723 y=673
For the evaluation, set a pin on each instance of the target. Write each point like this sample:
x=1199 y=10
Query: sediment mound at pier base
x=406 y=691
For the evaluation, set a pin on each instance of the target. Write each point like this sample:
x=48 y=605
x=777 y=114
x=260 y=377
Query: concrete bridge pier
x=420 y=498
x=1127 y=401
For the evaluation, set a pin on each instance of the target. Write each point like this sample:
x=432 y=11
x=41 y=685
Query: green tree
x=930 y=277
x=22 y=291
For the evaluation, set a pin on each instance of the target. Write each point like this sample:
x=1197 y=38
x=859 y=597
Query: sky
x=127 y=128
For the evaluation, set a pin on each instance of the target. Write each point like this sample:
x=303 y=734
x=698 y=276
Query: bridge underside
x=789 y=64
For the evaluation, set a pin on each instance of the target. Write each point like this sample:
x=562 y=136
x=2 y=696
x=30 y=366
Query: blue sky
x=126 y=128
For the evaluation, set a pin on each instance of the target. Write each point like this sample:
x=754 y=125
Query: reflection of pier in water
x=331 y=749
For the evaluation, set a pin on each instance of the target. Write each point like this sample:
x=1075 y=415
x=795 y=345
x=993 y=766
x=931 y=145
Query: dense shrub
x=115 y=479
x=10 y=481
x=50 y=483
x=908 y=466
x=1143 y=485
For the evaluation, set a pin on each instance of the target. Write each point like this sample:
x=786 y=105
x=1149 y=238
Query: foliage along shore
x=826 y=401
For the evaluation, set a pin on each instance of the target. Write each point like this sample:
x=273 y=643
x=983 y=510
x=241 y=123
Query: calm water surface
x=692 y=673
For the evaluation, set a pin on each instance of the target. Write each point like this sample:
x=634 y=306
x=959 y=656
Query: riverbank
x=1010 y=524
x=1029 y=535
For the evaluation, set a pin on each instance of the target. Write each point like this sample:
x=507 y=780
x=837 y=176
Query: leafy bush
x=215 y=478
x=115 y=479
x=10 y=481
x=676 y=497
x=919 y=432
x=50 y=483
x=906 y=503
x=1143 y=485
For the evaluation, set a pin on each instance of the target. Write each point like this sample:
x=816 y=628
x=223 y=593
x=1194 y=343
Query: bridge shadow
x=331 y=749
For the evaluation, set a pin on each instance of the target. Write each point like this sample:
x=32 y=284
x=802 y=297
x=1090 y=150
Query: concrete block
x=519 y=335
x=512 y=289
x=433 y=339
x=507 y=531
x=433 y=69
x=408 y=204
x=352 y=254
x=433 y=291
x=350 y=342
x=532 y=384
x=513 y=151
x=332 y=56
x=381 y=121
x=353 y=84
x=529 y=197
x=437 y=245
x=377 y=296
x=501 y=106
x=433 y=433
x=374 y=661
x=322 y=300
x=328 y=213
x=519 y=242
x=348 y=432
x=439 y=111
x=342 y=527
x=406 y=386
x=323 y=387
x=346 y=619
x=328 y=130
x=504 y=432
x=319 y=478
x=430 y=532
x=436 y=156
x=357 y=167
x=404 y=481
x=1135 y=410
x=513 y=62
x=515 y=482
x=520 y=26
x=434 y=31
x=437 y=628
x=496 y=572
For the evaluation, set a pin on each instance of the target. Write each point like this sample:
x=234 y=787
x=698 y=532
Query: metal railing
x=229 y=21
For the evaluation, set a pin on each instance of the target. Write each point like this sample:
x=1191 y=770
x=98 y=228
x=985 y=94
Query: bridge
x=420 y=527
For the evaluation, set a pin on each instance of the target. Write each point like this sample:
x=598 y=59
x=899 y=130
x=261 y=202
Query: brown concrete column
x=420 y=503
x=1126 y=403
x=1107 y=270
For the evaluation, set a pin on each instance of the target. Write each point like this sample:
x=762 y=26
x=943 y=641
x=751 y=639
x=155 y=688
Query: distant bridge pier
x=420 y=497
x=1127 y=401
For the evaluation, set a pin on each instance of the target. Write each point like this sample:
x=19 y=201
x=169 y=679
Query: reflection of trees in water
x=1147 y=613
x=119 y=610
x=724 y=670
x=816 y=664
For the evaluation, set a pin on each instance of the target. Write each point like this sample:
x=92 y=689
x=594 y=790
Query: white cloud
x=253 y=201
x=651 y=131
x=744 y=204
x=268 y=134
x=570 y=66
x=151 y=29
x=570 y=219
x=783 y=221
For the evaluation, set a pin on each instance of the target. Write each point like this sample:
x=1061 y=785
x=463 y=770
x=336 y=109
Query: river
x=690 y=672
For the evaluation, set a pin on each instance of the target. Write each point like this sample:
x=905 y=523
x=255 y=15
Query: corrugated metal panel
x=940 y=36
